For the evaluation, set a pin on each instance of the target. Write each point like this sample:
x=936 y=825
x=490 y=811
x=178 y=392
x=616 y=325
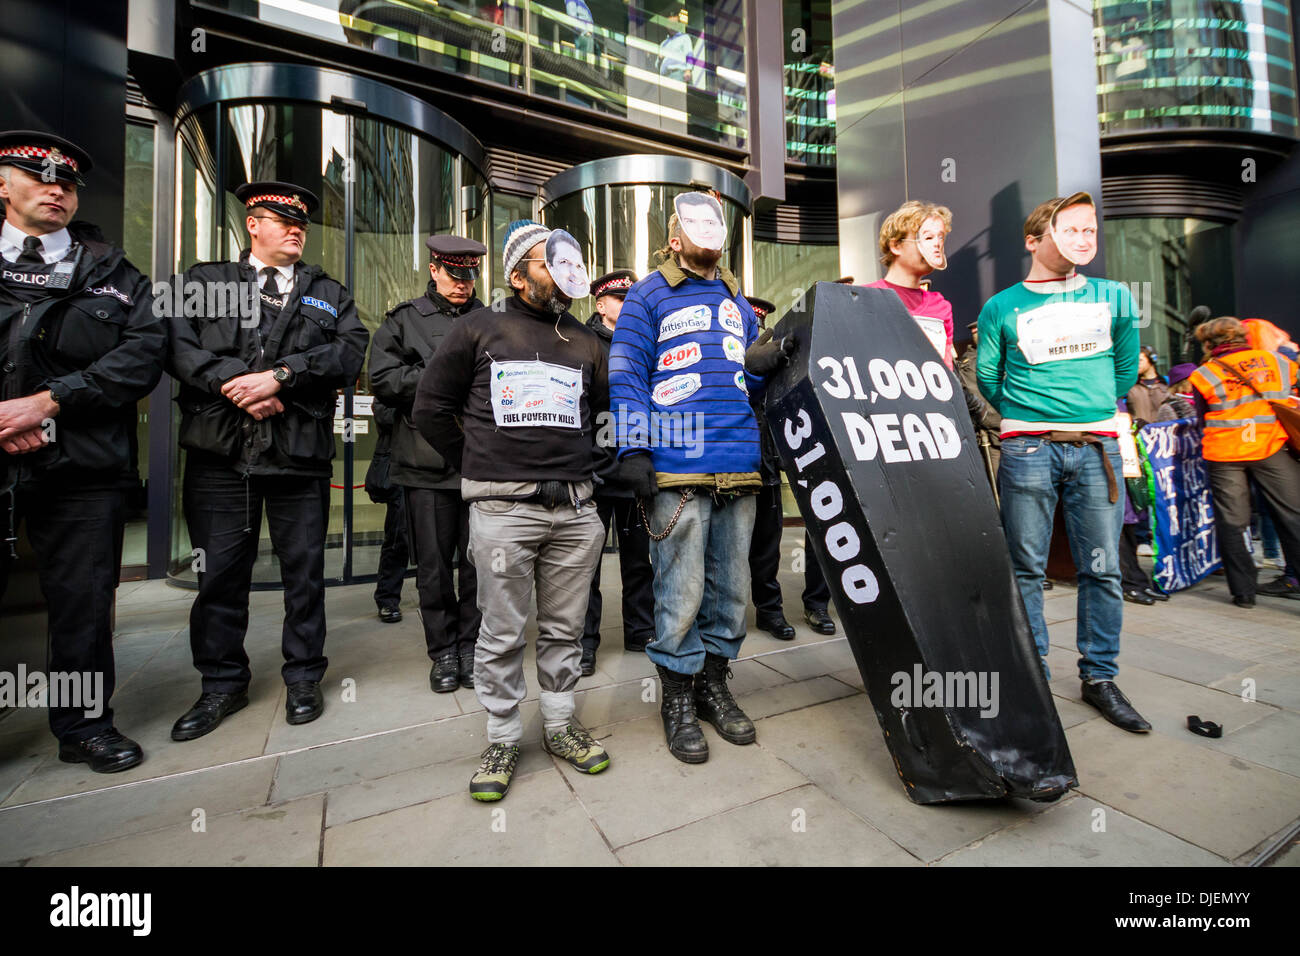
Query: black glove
x=766 y=356
x=637 y=473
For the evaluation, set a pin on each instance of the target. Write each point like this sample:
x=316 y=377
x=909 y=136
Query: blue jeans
x=1034 y=473
x=701 y=581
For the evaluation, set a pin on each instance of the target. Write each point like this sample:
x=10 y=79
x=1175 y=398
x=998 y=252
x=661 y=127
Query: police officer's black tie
x=31 y=254
x=270 y=282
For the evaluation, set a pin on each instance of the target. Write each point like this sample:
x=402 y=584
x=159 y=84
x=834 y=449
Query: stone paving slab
x=1215 y=800
x=98 y=816
x=287 y=834
x=646 y=790
x=839 y=747
x=540 y=823
x=800 y=827
x=1068 y=834
x=420 y=785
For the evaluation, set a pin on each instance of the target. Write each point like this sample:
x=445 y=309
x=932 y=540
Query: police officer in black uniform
x=79 y=346
x=437 y=518
x=258 y=380
x=615 y=502
x=765 y=545
x=394 y=554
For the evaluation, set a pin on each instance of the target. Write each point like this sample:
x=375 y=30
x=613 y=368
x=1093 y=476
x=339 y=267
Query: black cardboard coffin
x=878 y=446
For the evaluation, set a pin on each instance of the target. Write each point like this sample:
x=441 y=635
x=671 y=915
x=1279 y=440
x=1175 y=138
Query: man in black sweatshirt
x=509 y=399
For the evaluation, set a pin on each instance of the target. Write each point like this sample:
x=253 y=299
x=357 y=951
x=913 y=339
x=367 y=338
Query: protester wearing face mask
x=1056 y=352
x=687 y=348
x=911 y=247
x=510 y=400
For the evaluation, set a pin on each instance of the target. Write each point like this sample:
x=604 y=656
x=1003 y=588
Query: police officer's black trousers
x=765 y=552
x=634 y=570
x=224 y=514
x=394 y=556
x=816 y=592
x=77 y=535
x=437 y=524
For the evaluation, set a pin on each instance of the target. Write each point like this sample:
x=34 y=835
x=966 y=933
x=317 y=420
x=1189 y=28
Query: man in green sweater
x=1055 y=353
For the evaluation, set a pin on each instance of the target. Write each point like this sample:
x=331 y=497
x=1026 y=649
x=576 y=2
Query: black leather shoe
x=1247 y=603
x=819 y=620
x=305 y=702
x=1047 y=584
x=390 y=615
x=445 y=675
x=208 y=711
x=1155 y=595
x=588 y=662
x=681 y=727
x=1135 y=596
x=637 y=644
x=1114 y=706
x=777 y=626
x=465 y=670
x=107 y=752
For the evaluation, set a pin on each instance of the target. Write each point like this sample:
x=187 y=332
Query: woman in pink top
x=911 y=247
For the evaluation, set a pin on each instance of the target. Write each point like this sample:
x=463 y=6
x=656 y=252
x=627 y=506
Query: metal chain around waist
x=687 y=495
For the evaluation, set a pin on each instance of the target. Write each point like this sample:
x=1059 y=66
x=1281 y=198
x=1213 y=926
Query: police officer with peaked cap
x=616 y=503
x=259 y=374
x=765 y=545
x=437 y=518
x=79 y=346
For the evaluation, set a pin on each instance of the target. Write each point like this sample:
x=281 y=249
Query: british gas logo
x=693 y=318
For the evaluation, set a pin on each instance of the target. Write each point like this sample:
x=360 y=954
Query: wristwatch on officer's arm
x=283 y=374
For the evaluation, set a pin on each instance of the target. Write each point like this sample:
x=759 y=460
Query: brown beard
x=551 y=302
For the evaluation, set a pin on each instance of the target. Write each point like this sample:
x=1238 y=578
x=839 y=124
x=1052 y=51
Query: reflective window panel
x=1168 y=64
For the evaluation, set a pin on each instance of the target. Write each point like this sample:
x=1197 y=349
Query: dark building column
x=986 y=106
x=1268 y=283
x=765 y=39
x=63 y=69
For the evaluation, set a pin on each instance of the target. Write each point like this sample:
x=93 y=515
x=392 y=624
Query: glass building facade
x=809 y=76
x=618 y=210
x=1179 y=64
x=672 y=65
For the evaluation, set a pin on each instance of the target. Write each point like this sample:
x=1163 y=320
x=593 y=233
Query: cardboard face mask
x=700 y=216
x=930 y=244
x=564 y=263
x=1076 y=243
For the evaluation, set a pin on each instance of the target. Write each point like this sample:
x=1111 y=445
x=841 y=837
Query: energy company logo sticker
x=730 y=319
x=693 y=318
x=733 y=349
x=680 y=356
x=740 y=381
x=676 y=388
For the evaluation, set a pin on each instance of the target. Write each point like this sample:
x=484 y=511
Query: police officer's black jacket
x=97 y=345
x=411 y=332
x=607 y=481
x=317 y=335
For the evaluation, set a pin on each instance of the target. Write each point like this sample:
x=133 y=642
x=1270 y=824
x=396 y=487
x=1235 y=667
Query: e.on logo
x=688 y=353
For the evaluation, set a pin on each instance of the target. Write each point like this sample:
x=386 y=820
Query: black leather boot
x=714 y=703
x=444 y=676
x=681 y=728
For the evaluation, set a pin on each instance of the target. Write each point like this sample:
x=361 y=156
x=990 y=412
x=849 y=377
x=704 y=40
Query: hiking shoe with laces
x=578 y=747
x=493 y=777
